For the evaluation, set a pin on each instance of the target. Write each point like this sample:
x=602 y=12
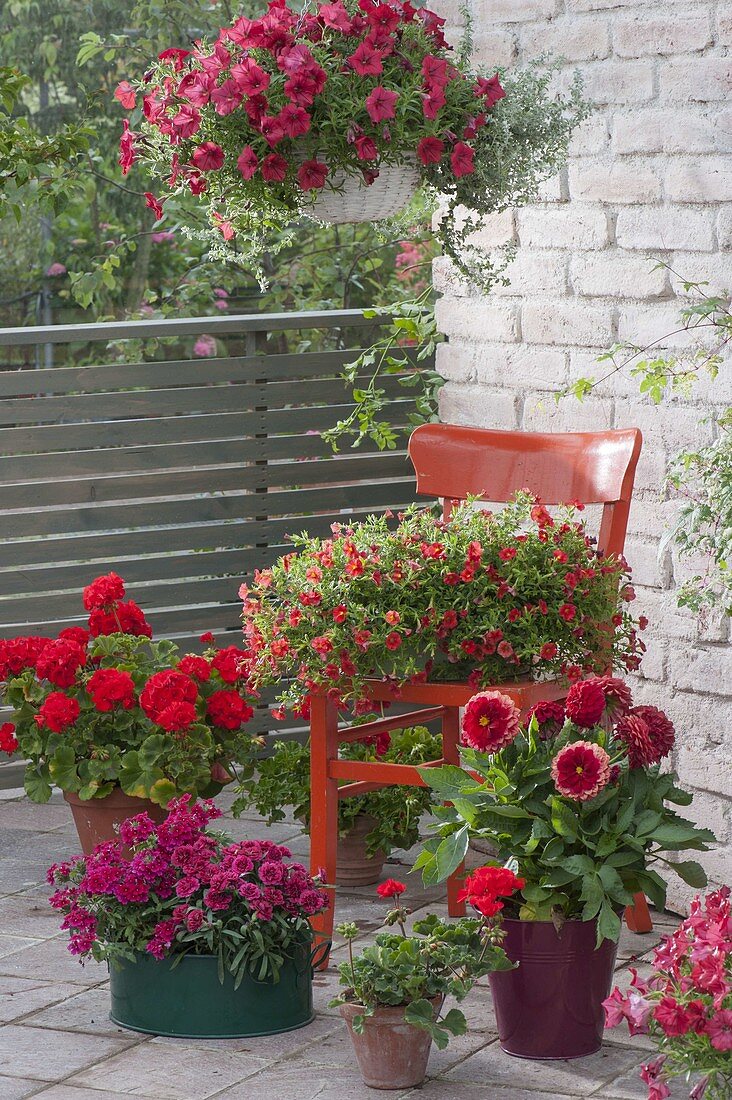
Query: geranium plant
x=105 y=706
x=441 y=959
x=575 y=795
x=177 y=889
x=480 y=597
x=283 y=780
x=686 y=1003
x=294 y=102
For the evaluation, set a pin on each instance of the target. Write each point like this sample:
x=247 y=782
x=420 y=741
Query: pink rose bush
x=284 y=105
x=176 y=888
x=686 y=1004
x=568 y=798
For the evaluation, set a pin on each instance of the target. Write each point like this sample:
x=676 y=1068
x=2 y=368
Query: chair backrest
x=454 y=462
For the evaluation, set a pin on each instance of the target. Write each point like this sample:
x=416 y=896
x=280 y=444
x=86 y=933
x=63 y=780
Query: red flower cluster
x=8 y=740
x=227 y=709
x=122 y=618
x=390 y=889
x=110 y=688
x=168 y=699
x=549 y=717
x=647 y=734
x=585 y=703
x=60 y=661
x=57 y=712
x=484 y=887
x=490 y=721
x=104 y=592
x=581 y=770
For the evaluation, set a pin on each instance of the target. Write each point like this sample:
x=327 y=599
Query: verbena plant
x=283 y=780
x=576 y=798
x=176 y=889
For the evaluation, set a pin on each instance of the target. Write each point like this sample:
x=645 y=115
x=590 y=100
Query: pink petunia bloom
x=274 y=168
x=154 y=205
x=125 y=93
x=336 y=17
x=208 y=156
x=271 y=130
x=430 y=150
x=249 y=77
x=461 y=159
x=187 y=121
x=312 y=175
x=432 y=103
x=490 y=91
x=719 y=1030
x=247 y=162
x=380 y=104
x=294 y=120
x=227 y=97
x=366 y=61
x=366 y=148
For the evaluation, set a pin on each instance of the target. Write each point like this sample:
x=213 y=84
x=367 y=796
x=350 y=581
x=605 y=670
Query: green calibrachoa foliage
x=585 y=846
x=481 y=596
x=417 y=972
x=283 y=780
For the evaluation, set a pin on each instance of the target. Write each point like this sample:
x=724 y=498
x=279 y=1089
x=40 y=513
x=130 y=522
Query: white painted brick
x=575 y=226
x=713 y=812
x=477 y=319
x=599 y=5
x=566 y=322
x=571 y=38
x=590 y=137
x=554 y=189
x=616 y=275
x=486 y=12
x=543 y=414
x=666 y=228
x=724 y=24
x=642 y=33
x=455 y=362
x=477 y=405
x=638 y=132
x=614 y=182
x=702 y=79
x=618 y=82
x=694 y=131
x=653 y=323
x=698 y=268
x=724 y=229
x=667 y=427
x=536 y=273
x=522 y=367
x=707 y=179
x=494 y=49
x=663 y=613
x=653 y=667
x=655 y=131
x=648 y=569
x=705 y=767
x=496 y=230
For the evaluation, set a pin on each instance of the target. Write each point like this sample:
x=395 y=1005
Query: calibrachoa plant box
x=203 y=937
x=480 y=597
x=104 y=707
x=686 y=1003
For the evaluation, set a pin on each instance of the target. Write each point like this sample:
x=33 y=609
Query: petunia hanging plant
x=575 y=796
x=480 y=597
x=292 y=104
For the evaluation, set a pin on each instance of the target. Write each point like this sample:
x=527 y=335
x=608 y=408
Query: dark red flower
x=154 y=204
x=127 y=154
x=208 y=156
x=393 y=640
x=228 y=710
x=366 y=61
x=567 y=612
x=274 y=168
x=484 y=887
x=176 y=55
x=126 y=618
x=294 y=120
x=231 y=663
x=618 y=699
x=633 y=731
x=366 y=148
x=660 y=730
x=111 y=687
x=585 y=703
x=390 y=889
x=164 y=688
x=490 y=91
x=8 y=740
x=247 y=162
x=60 y=661
x=462 y=159
x=103 y=592
x=381 y=103
x=549 y=718
x=312 y=175
x=548 y=651
x=430 y=150
x=57 y=712
x=490 y=721
x=581 y=770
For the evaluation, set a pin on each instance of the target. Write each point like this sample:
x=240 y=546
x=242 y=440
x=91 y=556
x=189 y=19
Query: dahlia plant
x=294 y=102
x=686 y=1004
x=441 y=959
x=283 y=780
x=104 y=706
x=575 y=796
x=478 y=597
x=177 y=889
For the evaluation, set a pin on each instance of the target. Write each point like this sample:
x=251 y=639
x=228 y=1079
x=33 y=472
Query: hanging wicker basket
x=361 y=202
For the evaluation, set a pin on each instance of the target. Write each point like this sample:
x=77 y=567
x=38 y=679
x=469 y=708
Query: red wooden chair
x=453 y=463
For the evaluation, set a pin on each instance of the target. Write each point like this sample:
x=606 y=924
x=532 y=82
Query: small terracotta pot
x=96 y=818
x=391 y=1053
x=354 y=866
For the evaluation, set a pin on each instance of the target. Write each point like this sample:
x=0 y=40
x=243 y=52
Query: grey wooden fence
x=182 y=474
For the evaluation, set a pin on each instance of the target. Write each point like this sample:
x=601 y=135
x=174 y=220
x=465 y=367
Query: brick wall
x=650 y=177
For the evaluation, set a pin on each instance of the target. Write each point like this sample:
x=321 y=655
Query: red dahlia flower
x=585 y=703
x=549 y=718
x=660 y=729
x=390 y=889
x=483 y=888
x=581 y=770
x=58 y=712
x=618 y=699
x=490 y=721
x=634 y=732
x=110 y=687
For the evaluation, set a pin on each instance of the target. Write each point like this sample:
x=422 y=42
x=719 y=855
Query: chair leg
x=637 y=916
x=450 y=752
x=323 y=808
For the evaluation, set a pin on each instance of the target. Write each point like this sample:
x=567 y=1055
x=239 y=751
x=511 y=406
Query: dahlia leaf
x=691 y=872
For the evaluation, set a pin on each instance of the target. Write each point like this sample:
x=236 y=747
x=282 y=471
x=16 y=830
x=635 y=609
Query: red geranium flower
x=227 y=709
x=312 y=175
x=57 y=712
x=483 y=888
x=17 y=654
x=177 y=717
x=490 y=721
x=198 y=667
x=660 y=730
x=380 y=104
x=111 y=687
x=163 y=689
x=581 y=770
x=430 y=150
x=231 y=663
x=8 y=740
x=103 y=592
x=126 y=618
x=585 y=703
x=390 y=889
x=633 y=731
x=60 y=661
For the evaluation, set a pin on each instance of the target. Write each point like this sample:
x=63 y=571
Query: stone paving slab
x=57 y=1042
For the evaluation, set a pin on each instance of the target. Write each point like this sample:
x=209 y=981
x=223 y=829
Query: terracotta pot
x=551 y=1005
x=391 y=1053
x=355 y=867
x=96 y=818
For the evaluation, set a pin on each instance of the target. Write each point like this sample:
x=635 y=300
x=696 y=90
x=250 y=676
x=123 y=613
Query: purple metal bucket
x=550 y=1006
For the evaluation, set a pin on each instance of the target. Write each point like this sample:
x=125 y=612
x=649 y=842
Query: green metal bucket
x=188 y=1000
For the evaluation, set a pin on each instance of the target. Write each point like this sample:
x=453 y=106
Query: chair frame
x=591 y=467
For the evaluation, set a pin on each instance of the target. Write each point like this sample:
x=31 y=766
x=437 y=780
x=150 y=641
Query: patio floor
x=57 y=1042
